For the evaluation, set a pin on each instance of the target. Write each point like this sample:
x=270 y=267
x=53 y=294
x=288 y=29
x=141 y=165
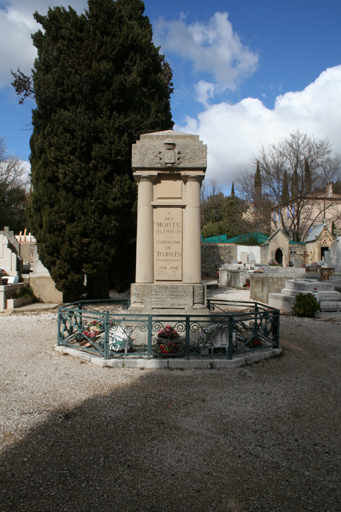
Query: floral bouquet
x=169 y=348
x=85 y=336
x=256 y=342
x=168 y=332
x=273 y=263
x=96 y=327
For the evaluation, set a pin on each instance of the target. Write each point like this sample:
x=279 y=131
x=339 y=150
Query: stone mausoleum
x=169 y=168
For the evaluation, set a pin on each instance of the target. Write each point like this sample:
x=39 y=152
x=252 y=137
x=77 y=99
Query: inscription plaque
x=173 y=298
x=168 y=244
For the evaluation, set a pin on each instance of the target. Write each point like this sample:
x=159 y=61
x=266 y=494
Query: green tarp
x=222 y=239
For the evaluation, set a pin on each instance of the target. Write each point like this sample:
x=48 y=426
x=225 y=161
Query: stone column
x=192 y=237
x=144 y=242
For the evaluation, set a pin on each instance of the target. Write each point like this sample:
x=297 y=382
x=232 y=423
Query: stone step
x=307 y=285
x=320 y=295
x=282 y=302
x=330 y=306
x=286 y=302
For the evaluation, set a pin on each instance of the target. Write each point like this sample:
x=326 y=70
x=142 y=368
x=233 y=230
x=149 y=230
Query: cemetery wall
x=214 y=256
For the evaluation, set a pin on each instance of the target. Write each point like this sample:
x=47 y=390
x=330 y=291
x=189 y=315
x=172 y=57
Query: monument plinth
x=169 y=168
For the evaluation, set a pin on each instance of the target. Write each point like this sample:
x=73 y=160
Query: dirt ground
x=74 y=437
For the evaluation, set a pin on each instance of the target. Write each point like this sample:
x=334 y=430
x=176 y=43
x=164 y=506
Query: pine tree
x=233 y=194
x=285 y=188
x=99 y=83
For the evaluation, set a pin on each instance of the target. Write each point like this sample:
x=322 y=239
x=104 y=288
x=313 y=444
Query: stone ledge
x=172 y=364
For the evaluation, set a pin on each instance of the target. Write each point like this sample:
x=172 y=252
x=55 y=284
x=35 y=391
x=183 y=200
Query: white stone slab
x=168 y=244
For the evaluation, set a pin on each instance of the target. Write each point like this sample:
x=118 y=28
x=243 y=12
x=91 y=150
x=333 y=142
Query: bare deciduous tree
x=300 y=163
x=13 y=184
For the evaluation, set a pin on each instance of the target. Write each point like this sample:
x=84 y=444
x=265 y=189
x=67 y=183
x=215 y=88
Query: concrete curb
x=172 y=364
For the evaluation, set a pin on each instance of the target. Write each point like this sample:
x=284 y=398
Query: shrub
x=25 y=292
x=305 y=305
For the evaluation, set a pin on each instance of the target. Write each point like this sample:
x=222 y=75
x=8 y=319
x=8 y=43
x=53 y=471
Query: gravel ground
x=75 y=437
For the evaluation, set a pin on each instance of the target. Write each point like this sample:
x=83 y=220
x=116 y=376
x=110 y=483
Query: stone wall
x=214 y=256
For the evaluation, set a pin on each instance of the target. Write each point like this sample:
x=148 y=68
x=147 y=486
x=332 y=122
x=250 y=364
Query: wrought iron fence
x=108 y=329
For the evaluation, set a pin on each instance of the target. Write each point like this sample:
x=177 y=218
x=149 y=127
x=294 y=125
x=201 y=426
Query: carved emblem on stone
x=169 y=157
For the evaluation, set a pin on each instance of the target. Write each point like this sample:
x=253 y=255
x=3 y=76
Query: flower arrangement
x=273 y=263
x=256 y=342
x=91 y=331
x=84 y=336
x=96 y=327
x=3 y=273
x=169 y=348
x=168 y=332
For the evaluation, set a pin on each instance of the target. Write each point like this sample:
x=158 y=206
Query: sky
x=246 y=73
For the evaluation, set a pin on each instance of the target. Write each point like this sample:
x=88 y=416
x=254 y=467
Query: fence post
x=231 y=322
x=80 y=315
x=275 y=329
x=106 y=342
x=58 y=327
x=187 y=344
x=149 y=336
x=256 y=329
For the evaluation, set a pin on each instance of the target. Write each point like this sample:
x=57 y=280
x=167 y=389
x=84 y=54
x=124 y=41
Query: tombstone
x=334 y=255
x=8 y=257
x=325 y=293
x=41 y=282
x=243 y=256
x=251 y=258
x=169 y=168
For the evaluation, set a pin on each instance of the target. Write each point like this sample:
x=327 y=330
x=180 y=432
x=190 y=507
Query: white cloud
x=235 y=133
x=204 y=91
x=212 y=47
x=16 y=26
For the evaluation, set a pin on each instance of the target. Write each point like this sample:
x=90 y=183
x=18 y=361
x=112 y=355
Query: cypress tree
x=307 y=177
x=294 y=184
x=285 y=188
x=258 y=181
x=233 y=194
x=99 y=83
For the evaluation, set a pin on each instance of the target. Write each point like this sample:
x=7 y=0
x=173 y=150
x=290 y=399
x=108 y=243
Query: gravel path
x=74 y=437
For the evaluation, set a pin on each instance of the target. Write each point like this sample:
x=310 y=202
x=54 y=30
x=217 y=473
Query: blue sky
x=246 y=72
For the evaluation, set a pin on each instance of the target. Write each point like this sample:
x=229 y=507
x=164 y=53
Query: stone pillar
x=192 y=237
x=144 y=241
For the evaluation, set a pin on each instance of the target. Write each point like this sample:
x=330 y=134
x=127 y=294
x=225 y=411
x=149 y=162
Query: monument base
x=172 y=298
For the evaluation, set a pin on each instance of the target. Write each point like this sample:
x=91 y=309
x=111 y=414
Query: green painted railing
x=227 y=329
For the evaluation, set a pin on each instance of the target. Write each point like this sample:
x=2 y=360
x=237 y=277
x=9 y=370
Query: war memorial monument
x=169 y=168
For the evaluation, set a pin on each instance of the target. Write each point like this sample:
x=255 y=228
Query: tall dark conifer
x=307 y=177
x=294 y=184
x=258 y=181
x=99 y=83
x=285 y=188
